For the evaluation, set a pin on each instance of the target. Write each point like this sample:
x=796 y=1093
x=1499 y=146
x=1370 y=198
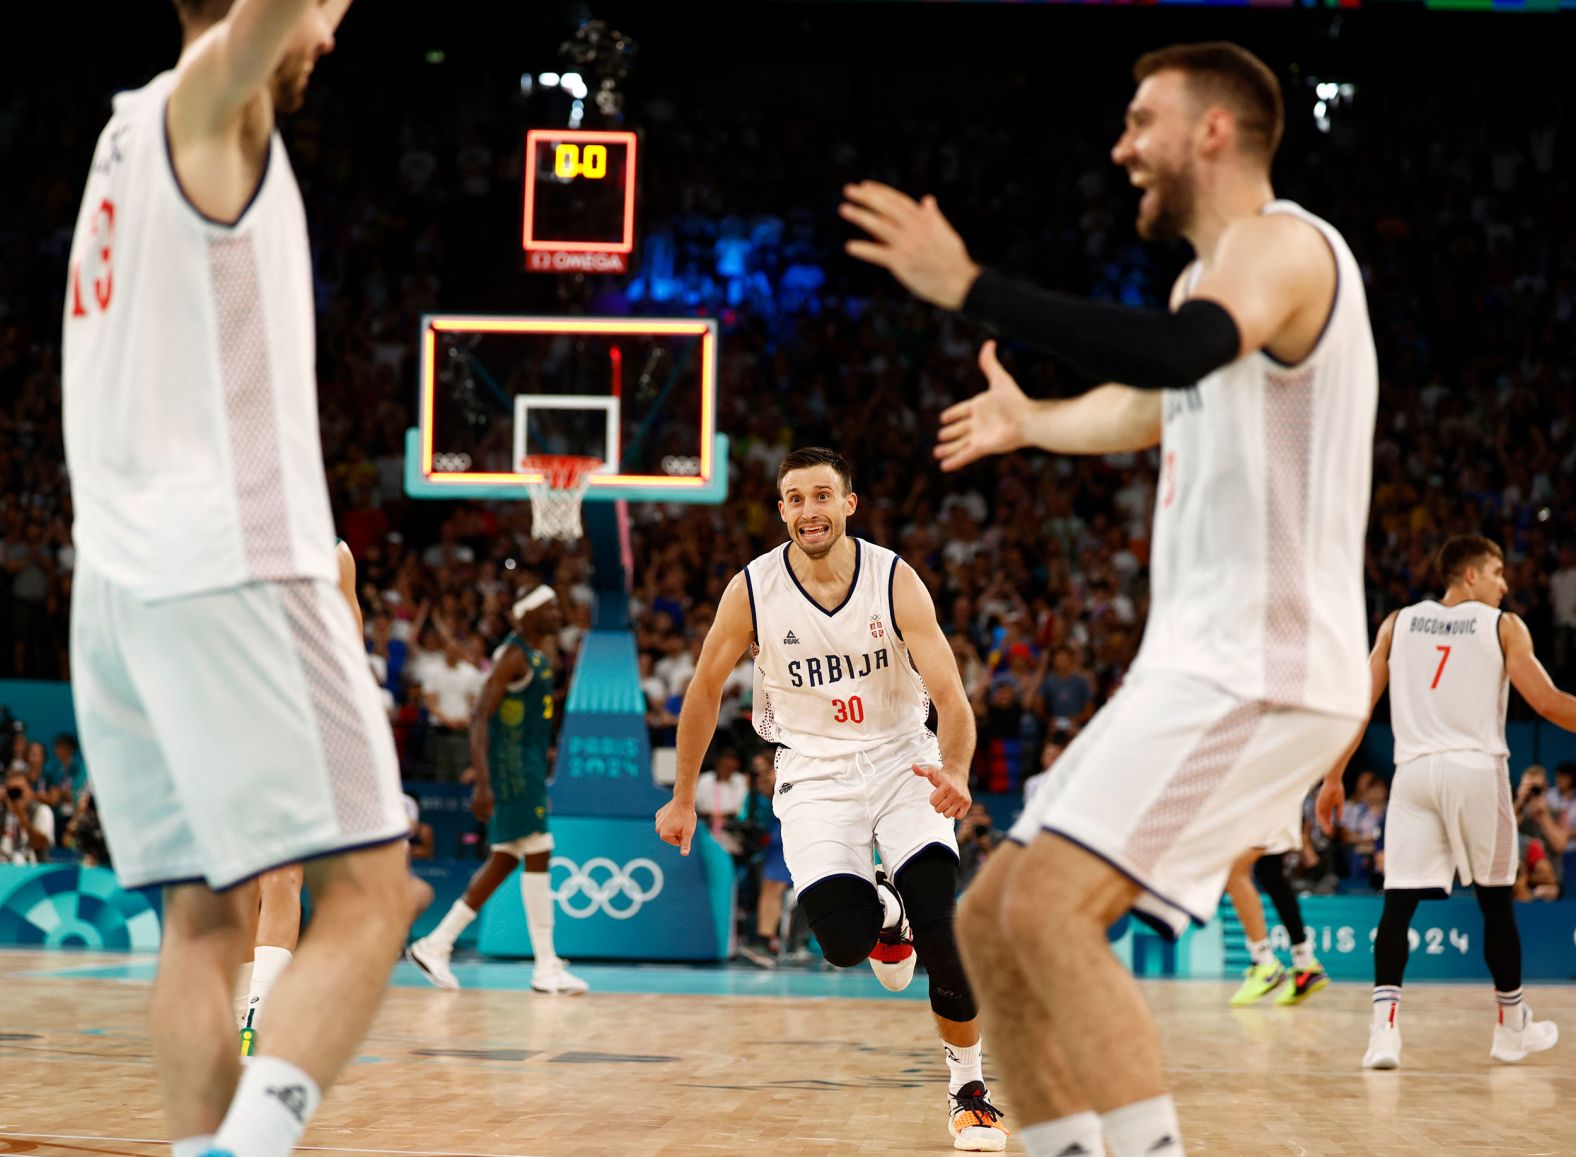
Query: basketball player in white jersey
x=223 y=694
x=1448 y=665
x=847 y=654
x=1259 y=386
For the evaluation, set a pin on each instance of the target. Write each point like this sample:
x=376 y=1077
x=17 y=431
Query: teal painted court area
x=621 y=979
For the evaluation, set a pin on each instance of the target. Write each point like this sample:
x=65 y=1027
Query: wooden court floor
x=514 y=1074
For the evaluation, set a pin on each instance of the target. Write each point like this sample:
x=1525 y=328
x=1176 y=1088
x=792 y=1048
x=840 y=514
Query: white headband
x=539 y=597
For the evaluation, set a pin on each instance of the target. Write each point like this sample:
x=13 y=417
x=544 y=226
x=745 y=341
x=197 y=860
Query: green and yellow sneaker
x=1258 y=981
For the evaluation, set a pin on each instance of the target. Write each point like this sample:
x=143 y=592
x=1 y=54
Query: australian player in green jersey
x=511 y=731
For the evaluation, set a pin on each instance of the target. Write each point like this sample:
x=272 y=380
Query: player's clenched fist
x=676 y=825
x=951 y=797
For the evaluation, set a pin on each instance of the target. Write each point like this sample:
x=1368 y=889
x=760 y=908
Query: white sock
x=1387 y=1003
x=963 y=1064
x=243 y=994
x=1260 y=951
x=1302 y=955
x=538 y=899
x=272 y=1106
x=456 y=920
x=1065 y=1137
x=1148 y=1127
x=1512 y=1012
x=191 y=1146
x=267 y=966
x=891 y=908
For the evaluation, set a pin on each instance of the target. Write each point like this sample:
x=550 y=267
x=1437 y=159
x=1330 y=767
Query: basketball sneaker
x=433 y=960
x=892 y=959
x=1258 y=981
x=758 y=951
x=1512 y=1044
x=553 y=977
x=1384 y=1046
x=1304 y=983
x=974 y=1122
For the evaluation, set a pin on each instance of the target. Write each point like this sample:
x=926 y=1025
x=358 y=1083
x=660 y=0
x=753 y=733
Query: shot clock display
x=579 y=200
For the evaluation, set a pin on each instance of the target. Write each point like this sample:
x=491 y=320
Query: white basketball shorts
x=229 y=732
x=1450 y=815
x=834 y=810
x=1174 y=779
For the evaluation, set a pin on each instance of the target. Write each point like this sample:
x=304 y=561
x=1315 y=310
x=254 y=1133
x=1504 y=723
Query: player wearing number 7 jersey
x=846 y=645
x=1448 y=665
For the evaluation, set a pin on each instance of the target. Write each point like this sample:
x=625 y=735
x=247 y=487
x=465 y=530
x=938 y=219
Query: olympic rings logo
x=604 y=886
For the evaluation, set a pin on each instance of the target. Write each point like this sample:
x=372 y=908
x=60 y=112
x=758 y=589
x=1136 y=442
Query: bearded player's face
x=1156 y=149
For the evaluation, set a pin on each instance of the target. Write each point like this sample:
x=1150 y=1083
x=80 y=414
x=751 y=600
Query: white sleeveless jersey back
x=831 y=681
x=1448 y=684
x=189 y=374
x=1256 y=567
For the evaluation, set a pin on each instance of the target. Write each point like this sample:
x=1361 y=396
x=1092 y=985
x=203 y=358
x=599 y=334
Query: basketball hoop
x=556 y=497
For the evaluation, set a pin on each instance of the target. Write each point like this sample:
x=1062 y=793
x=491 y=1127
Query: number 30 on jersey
x=848 y=710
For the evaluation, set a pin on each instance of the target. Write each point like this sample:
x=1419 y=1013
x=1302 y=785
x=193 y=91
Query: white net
x=556 y=497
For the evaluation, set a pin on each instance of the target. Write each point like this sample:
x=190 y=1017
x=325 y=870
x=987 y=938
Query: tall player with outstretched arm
x=1449 y=665
x=1259 y=386
x=224 y=698
x=846 y=645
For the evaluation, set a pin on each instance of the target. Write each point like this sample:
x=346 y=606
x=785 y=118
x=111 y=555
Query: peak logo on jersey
x=784 y=789
x=791 y=639
x=877 y=628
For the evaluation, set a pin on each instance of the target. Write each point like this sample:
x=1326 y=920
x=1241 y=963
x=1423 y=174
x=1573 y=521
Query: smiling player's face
x=1156 y=149
x=815 y=508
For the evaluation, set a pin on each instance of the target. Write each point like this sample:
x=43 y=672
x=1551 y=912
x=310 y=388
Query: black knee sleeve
x=845 y=914
x=928 y=884
x=1501 y=937
x=1390 y=940
x=1270 y=874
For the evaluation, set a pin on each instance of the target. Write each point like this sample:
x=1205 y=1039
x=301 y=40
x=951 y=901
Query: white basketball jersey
x=831 y=681
x=1256 y=568
x=189 y=374
x=1448 y=684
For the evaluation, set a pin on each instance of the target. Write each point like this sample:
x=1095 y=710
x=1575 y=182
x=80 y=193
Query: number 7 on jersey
x=1443 y=659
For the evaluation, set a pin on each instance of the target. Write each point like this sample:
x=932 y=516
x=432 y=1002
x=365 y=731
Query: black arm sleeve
x=1152 y=349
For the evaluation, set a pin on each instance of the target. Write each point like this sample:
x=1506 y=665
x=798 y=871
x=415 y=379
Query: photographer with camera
x=1535 y=819
x=29 y=829
x=977 y=838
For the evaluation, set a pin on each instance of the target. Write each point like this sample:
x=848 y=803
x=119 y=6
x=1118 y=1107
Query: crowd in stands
x=1036 y=563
